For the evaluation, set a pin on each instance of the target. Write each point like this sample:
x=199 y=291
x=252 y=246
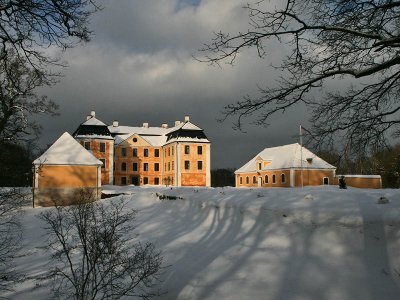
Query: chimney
x=145 y=125
x=165 y=125
x=187 y=118
x=177 y=123
x=93 y=113
x=115 y=123
x=88 y=117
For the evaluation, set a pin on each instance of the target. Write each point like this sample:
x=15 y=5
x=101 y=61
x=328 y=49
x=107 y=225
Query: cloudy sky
x=138 y=68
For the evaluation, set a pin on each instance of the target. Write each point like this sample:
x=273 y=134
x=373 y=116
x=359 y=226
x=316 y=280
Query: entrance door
x=135 y=180
x=259 y=181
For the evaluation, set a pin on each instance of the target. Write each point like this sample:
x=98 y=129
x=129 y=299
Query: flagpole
x=301 y=156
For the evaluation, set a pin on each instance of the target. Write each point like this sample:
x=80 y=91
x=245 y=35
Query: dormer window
x=259 y=166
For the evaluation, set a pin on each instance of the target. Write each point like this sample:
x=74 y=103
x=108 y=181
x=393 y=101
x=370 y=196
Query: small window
x=134 y=140
x=169 y=151
x=199 y=165
x=169 y=166
x=266 y=179
x=134 y=152
x=123 y=180
x=104 y=163
x=102 y=147
x=199 y=150
x=259 y=166
x=87 y=145
x=187 y=165
x=146 y=152
x=247 y=180
x=326 y=180
x=241 y=180
x=187 y=149
x=254 y=179
x=273 y=178
x=283 y=178
x=156 y=167
x=145 y=180
x=134 y=167
x=173 y=164
x=172 y=150
x=123 y=152
x=123 y=167
x=156 y=181
x=156 y=153
x=145 y=166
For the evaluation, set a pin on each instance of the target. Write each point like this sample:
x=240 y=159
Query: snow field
x=228 y=243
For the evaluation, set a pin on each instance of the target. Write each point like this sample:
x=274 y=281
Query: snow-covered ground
x=227 y=243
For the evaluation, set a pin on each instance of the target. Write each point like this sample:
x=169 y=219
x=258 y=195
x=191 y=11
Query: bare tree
x=11 y=200
x=96 y=254
x=326 y=40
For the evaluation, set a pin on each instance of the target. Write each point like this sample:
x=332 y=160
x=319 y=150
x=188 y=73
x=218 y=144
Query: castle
x=176 y=156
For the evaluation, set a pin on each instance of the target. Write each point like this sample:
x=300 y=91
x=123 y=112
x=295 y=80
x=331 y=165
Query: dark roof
x=186 y=133
x=92 y=130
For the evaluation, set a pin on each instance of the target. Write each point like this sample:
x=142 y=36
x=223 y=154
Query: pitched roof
x=291 y=156
x=67 y=151
x=159 y=136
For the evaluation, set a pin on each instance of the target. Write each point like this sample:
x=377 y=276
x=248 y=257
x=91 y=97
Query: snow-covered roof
x=93 y=121
x=286 y=157
x=67 y=151
x=159 y=136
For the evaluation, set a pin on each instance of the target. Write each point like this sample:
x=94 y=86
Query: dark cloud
x=139 y=68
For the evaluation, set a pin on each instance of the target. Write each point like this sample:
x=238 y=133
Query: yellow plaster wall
x=313 y=177
x=193 y=176
x=67 y=176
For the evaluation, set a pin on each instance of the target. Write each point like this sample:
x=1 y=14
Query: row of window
x=266 y=179
x=135 y=152
x=156 y=181
x=199 y=150
x=102 y=146
x=156 y=167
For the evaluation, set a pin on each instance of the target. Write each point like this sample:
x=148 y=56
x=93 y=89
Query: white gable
x=93 y=121
x=286 y=157
x=67 y=151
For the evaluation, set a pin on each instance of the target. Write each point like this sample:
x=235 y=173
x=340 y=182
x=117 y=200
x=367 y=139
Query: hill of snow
x=227 y=243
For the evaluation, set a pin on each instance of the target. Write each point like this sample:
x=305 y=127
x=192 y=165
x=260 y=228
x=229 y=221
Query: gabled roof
x=67 y=151
x=286 y=157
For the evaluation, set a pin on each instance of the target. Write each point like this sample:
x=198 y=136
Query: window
x=156 y=153
x=259 y=166
x=187 y=165
x=169 y=151
x=199 y=165
x=283 y=178
x=145 y=166
x=254 y=179
x=104 y=163
x=87 y=145
x=173 y=164
x=134 y=167
x=156 y=167
x=199 y=150
x=172 y=149
x=123 y=152
x=266 y=179
x=114 y=166
x=134 y=140
x=273 y=178
x=326 y=180
x=123 y=167
x=169 y=166
x=123 y=180
x=145 y=180
x=145 y=152
x=247 y=180
x=241 y=180
x=134 y=152
x=102 y=147
x=187 y=149
x=156 y=181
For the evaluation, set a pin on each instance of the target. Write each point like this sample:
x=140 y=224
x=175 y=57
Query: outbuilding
x=66 y=174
